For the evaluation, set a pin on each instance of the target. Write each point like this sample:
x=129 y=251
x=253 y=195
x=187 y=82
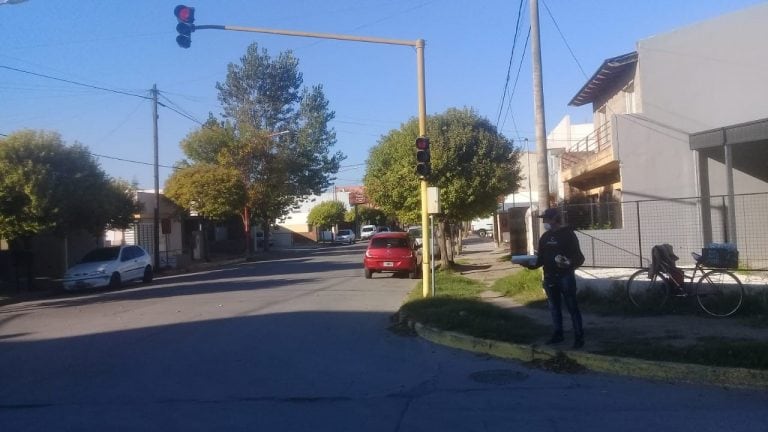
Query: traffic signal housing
x=185 y=15
x=423 y=165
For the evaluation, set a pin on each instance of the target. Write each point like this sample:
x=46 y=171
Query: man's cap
x=550 y=213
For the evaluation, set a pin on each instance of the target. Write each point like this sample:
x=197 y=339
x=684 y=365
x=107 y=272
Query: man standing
x=559 y=253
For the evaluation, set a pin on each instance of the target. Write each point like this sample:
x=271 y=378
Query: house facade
x=661 y=120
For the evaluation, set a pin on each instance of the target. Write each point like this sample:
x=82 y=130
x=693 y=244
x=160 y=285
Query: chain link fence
x=616 y=234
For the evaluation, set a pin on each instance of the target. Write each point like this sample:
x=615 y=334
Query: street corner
x=573 y=361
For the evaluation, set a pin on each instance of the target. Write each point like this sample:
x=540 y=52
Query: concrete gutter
x=656 y=370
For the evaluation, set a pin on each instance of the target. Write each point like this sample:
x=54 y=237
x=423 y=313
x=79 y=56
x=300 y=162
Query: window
x=629 y=98
x=388 y=242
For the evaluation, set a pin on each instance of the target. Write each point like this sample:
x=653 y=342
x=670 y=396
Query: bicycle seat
x=696 y=256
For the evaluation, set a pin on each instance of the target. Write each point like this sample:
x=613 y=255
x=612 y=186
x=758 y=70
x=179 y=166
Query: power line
x=74 y=82
x=509 y=67
x=128 y=160
x=178 y=110
x=564 y=40
x=514 y=86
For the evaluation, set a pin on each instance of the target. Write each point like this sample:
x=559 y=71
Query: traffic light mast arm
x=311 y=35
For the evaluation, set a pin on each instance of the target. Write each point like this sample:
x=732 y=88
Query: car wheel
x=368 y=273
x=114 y=281
x=482 y=233
x=147 y=275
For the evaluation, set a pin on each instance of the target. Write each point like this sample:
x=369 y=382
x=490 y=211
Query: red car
x=391 y=252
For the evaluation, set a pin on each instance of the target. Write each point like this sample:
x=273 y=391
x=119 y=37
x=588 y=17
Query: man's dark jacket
x=560 y=241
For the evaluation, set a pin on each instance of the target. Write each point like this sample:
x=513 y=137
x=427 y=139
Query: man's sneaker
x=555 y=339
x=578 y=343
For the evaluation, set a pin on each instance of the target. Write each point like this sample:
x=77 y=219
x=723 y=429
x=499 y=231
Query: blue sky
x=127 y=47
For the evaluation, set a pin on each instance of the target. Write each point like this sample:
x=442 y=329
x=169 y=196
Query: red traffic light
x=184 y=14
x=422 y=143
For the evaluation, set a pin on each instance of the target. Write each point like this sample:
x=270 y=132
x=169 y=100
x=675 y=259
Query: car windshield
x=345 y=232
x=416 y=232
x=388 y=242
x=102 y=254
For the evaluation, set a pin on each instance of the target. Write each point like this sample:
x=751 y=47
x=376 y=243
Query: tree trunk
x=247 y=228
x=444 y=262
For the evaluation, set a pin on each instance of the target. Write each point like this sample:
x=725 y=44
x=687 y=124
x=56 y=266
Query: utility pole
x=156 y=219
x=542 y=165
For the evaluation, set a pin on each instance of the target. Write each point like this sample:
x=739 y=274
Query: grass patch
x=456 y=307
x=523 y=286
x=709 y=351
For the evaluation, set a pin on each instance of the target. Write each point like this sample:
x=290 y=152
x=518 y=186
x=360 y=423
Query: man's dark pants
x=561 y=288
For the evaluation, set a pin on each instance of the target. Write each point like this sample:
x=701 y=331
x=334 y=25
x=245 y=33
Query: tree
x=326 y=214
x=212 y=190
x=472 y=165
x=274 y=134
x=366 y=215
x=41 y=189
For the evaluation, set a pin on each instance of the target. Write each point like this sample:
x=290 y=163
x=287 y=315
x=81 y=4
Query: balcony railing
x=595 y=142
x=598 y=140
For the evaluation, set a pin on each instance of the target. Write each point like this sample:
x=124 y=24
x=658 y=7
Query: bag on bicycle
x=663 y=260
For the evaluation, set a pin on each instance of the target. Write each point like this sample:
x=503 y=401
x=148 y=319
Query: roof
x=607 y=73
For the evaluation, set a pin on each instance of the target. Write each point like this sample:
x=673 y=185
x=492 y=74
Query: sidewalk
x=49 y=287
x=483 y=262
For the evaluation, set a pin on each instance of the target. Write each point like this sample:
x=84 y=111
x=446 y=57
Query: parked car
x=367 y=231
x=418 y=238
x=346 y=236
x=416 y=233
x=109 y=267
x=482 y=227
x=391 y=252
x=383 y=229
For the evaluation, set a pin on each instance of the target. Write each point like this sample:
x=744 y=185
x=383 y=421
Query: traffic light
x=423 y=167
x=186 y=17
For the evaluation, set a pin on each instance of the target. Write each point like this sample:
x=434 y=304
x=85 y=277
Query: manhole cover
x=499 y=376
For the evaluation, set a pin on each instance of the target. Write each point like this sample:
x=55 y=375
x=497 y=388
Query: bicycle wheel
x=646 y=293
x=719 y=293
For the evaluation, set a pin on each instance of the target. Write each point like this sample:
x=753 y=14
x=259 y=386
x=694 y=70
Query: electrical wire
x=514 y=86
x=509 y=67
x=75 y=82
x=565 y=41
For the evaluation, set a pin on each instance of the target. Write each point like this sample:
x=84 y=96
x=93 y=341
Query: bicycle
x=718 y=291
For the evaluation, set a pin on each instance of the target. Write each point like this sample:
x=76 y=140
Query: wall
x=656 y=161
x=709 y=74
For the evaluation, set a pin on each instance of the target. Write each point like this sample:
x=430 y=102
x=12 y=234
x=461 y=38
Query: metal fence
x=622 y=234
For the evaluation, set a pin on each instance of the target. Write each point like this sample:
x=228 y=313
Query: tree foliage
x=472 y=165
x=212 y=190
x=48 y=187
x=326 y=214
x=274 y=134
x=366 y=216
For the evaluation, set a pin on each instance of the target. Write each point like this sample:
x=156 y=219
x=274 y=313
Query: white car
x=367 y=231
x=346 y=236
x=109 y=267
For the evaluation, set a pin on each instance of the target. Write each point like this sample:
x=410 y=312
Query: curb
x=655 y=370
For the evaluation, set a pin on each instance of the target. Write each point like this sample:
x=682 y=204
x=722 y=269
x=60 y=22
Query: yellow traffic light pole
x=419 y=45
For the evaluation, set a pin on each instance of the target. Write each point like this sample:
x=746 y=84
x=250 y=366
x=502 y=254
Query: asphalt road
x=301 y=344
